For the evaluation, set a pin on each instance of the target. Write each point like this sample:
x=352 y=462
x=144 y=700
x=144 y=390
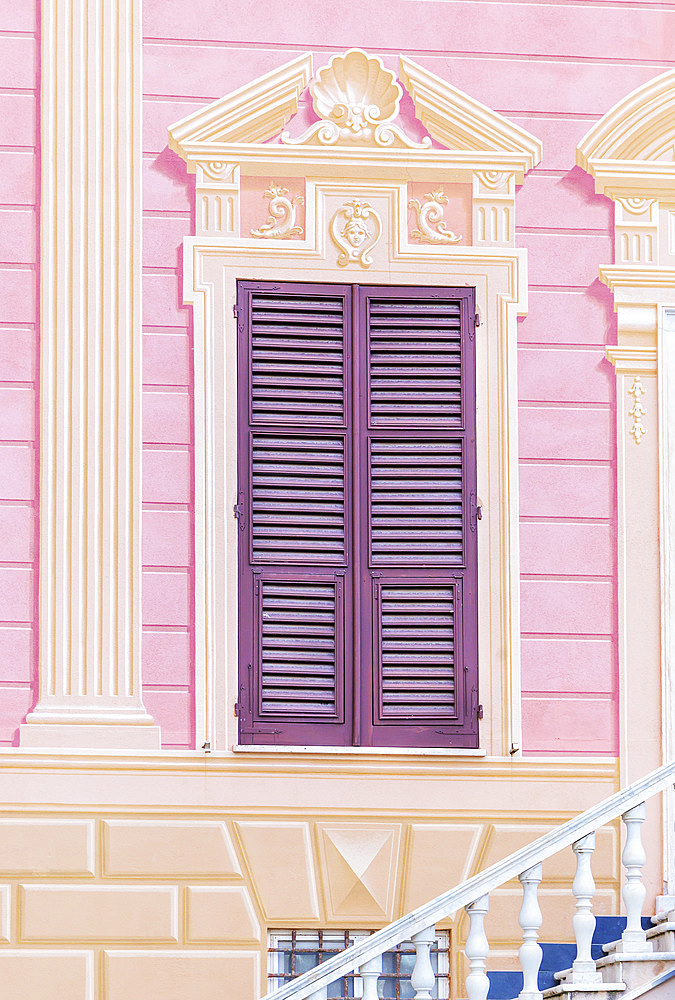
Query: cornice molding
x=630 y=360
x=462 y=123
x=637 y=276
x=254 y=113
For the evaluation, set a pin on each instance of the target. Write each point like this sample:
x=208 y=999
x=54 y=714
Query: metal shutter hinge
x=480 y=712
x=476 y=320
x=476 y=511
x=235 y=311
x=238 y=511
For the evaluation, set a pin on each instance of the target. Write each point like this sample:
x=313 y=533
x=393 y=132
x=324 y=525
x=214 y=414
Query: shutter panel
x=294 y=452
x=418 y=554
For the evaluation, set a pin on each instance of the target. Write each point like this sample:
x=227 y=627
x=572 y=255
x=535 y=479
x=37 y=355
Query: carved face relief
x=352 y=235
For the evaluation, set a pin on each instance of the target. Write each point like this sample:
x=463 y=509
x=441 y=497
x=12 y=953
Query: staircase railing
x=419 y=926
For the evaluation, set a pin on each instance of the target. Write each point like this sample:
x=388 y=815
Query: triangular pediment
x=356 y=102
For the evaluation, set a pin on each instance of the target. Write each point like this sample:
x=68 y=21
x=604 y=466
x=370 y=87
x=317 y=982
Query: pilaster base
x=84 y=736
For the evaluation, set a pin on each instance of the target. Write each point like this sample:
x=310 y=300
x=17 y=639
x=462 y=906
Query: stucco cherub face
x=355 y=232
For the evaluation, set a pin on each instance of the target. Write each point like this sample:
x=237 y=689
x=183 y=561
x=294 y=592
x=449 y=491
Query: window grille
x=293 y=952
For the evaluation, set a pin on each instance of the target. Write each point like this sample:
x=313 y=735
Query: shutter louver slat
x=416 y=502
x=298 y=649
x=297 y=359
x=415 y=354
x=297 y=499
x=417 y=651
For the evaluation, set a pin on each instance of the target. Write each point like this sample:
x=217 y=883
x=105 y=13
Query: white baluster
x=423 y=979
x=477 y=950
x=634 y=938
x=530 y=918
x=583 y=887
x=370 y=973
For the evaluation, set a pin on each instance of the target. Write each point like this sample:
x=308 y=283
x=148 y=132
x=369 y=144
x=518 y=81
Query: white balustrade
x=634 y=938
x=530 y=918
x=423 y=979
x=583 y=887
x=370 y=973
x=477 y=950
x=320 y=994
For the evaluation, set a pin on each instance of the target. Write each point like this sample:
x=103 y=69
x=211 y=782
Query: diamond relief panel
x=360 y=865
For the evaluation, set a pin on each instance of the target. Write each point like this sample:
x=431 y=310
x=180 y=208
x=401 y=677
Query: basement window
x=293 y=952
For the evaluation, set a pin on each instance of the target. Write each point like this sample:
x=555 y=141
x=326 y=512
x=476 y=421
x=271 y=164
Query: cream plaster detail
x=360 y=870
x=494 y=180
x=356 y=99
x=636 y=206
x=90 y=384
x=254 y=113
x=281 y=866
x=283 y=210
x=462 y=123
x=355 y=230
x=637 y=410
x=432 y=227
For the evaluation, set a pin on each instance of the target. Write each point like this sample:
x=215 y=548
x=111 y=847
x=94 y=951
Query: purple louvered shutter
x=294 y=480
x=357 y=504
x=416 y=559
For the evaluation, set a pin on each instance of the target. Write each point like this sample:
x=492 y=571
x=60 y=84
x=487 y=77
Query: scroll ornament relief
x=636 y=206
x=355 y=229
x=432 y=227
x=282 y=214
x=637 y=410
x=356 y=99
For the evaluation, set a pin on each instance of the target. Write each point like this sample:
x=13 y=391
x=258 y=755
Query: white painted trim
x=666 y=407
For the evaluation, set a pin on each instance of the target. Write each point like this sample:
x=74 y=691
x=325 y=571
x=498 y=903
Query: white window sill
x=367 y=751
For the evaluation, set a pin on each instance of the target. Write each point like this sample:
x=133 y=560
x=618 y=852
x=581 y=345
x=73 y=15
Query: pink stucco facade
x=553 y=69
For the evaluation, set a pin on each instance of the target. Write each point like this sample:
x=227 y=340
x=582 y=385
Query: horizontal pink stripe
x=157 y=117
x=556 y=259
x=16 y=653
x=565 y=375
x=167 y=187
x=16 y=594
x=566 y=490
x=568 y=665
x=17 y=178
x=567 y=202
x=19 y=58
x=18 y=531
x=166 y=358
x=567 y=607
x=167 y=538
x=166 y=417
x=17 y=413
x=17 y=471
x=173 y=711
x=163 y=301
x=166 y=657
x=569 y=725
x=18 y=354
x=163 y=240
x=18 y=294
x=18 y=114
x=166 y=476
x=166 y=598
x=19 y=235
x=566 y=433
x=19 y=15
x=566 y=549
x=569 y=317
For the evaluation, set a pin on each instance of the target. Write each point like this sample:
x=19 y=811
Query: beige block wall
x=132 y=900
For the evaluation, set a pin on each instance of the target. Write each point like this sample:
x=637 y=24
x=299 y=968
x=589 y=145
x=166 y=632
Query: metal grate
x=293 y=952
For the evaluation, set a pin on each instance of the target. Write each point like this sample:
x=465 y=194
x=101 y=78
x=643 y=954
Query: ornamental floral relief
x=430 y=219
x=637 y=410
x=282 y=209
x=355 y=230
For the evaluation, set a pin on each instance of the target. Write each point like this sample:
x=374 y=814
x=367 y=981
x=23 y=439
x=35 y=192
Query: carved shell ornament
x=355 y=229
x=357 y=99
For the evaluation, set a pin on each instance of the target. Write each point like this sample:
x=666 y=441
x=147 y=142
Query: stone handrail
x=474 y=890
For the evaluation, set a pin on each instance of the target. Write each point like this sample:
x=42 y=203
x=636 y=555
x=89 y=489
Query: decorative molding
x=636 y=206
x=254 y=113
x=462 y=123
x=631 y=360
x=282 y=212
x=494 y=180
x=637 y=410
x=356 y=99
x=432 y=227
x=356 y=238
x=90 y=430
